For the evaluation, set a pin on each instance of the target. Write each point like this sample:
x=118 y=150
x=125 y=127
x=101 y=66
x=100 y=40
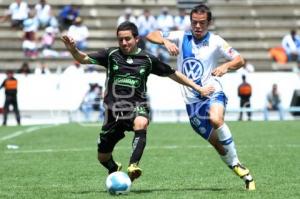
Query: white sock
x=225 y=137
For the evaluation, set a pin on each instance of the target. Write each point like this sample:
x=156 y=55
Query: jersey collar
x=203 y=39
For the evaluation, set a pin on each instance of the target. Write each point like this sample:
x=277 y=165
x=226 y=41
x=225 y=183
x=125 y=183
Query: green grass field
x=59 y=162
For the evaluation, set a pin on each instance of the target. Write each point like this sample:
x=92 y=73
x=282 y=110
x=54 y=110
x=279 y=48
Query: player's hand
x=206 y=90
x=220 y=71
x=171 y=47
x=69 y=42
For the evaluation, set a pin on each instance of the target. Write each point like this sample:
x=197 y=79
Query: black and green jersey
x=127 y=75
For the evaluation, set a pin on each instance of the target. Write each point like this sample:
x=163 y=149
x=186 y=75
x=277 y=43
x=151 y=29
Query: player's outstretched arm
x=157 y=38
x=182 y=79
x=77 y=54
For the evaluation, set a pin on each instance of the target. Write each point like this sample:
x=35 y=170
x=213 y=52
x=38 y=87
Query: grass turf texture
x=60 y=162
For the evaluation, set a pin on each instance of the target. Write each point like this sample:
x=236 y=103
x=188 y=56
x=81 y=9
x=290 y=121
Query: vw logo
x=192 y=68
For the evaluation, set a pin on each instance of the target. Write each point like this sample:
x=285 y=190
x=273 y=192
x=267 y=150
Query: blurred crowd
x=164 y=21
x=40 y=17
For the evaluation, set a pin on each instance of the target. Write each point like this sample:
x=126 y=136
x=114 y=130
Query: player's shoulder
x=147 y=55
x=215 y=36
x=111 y=50
x=216 y=39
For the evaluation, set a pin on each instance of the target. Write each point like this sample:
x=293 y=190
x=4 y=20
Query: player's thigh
x=216 y=114
x=109 y=138
x=199 y=118
x=111 y=133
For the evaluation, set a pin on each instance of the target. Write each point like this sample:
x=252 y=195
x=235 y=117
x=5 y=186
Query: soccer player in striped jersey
x=198 y=54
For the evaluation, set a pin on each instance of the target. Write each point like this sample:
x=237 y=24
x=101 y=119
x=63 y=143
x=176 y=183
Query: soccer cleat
x=134 y=171
x=244 y=173
x=240 y=170
x=250 y=185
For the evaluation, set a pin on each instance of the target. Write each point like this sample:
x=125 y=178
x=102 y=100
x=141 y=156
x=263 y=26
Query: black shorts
x=115 y=125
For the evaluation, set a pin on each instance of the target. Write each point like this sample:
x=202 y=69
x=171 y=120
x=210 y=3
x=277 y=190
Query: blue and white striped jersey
x=198 y=58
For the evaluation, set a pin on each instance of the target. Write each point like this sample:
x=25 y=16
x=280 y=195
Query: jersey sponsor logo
x=115 y=67
x=129 y=60
x=193 y=69
x=128 y=81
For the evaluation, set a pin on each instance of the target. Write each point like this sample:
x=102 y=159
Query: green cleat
x=134 y=171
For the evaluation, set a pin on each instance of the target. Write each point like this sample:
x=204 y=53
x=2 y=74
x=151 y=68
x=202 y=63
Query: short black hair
x=201 y=8
x=127 y=25
x=243 y=77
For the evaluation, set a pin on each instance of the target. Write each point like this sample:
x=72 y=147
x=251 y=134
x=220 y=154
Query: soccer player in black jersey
x=128 y=68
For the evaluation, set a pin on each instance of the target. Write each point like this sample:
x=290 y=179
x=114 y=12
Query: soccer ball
x=118 y=183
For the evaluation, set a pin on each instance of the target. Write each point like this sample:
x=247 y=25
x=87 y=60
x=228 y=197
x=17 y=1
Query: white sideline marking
x=28 y=130
x=167 y=147
x=89 y=124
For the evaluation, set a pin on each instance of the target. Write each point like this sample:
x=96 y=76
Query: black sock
x=138 y=145
x=110 y=165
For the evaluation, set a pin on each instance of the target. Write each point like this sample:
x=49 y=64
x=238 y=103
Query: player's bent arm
x=236 y=63
x=182 y=79
x=156 y=37
x=75 y=52
x=80 y=56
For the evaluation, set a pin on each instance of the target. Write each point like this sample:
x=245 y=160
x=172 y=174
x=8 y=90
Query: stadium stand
x=251 y=26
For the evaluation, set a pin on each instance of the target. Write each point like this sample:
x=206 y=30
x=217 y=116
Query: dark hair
x=128 y=26
x=293 y=32
x=201 y=8
x=9 y=72
x=244 y=77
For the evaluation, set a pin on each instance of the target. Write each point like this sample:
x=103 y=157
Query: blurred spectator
x=273 y=102
x=182 y=21
x=44 y=15
x=278 y=54
x=91 y=101
x=67 y=16
x=247 y=68
x=29 y=45
x=10 y=85
x=74 y=69
x=127 y=17
x=24 y=69
x=244 y=92
x=79 y=33
x=99 y=100
x=17 y=12
x=165 y=23
x=42 y=69
x=146 y=23
x=47 y=41
x=291 y=46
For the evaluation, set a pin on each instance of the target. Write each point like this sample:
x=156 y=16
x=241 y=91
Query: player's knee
x=104 y=157
x=140 y=123
x=217 y=121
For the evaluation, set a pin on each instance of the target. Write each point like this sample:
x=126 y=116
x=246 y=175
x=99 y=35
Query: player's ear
x=137 y=39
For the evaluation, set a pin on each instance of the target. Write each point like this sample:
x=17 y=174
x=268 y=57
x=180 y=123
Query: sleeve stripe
x=93 y=61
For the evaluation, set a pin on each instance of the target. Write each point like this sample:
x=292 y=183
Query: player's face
x=127 y=42
x=199 y=24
